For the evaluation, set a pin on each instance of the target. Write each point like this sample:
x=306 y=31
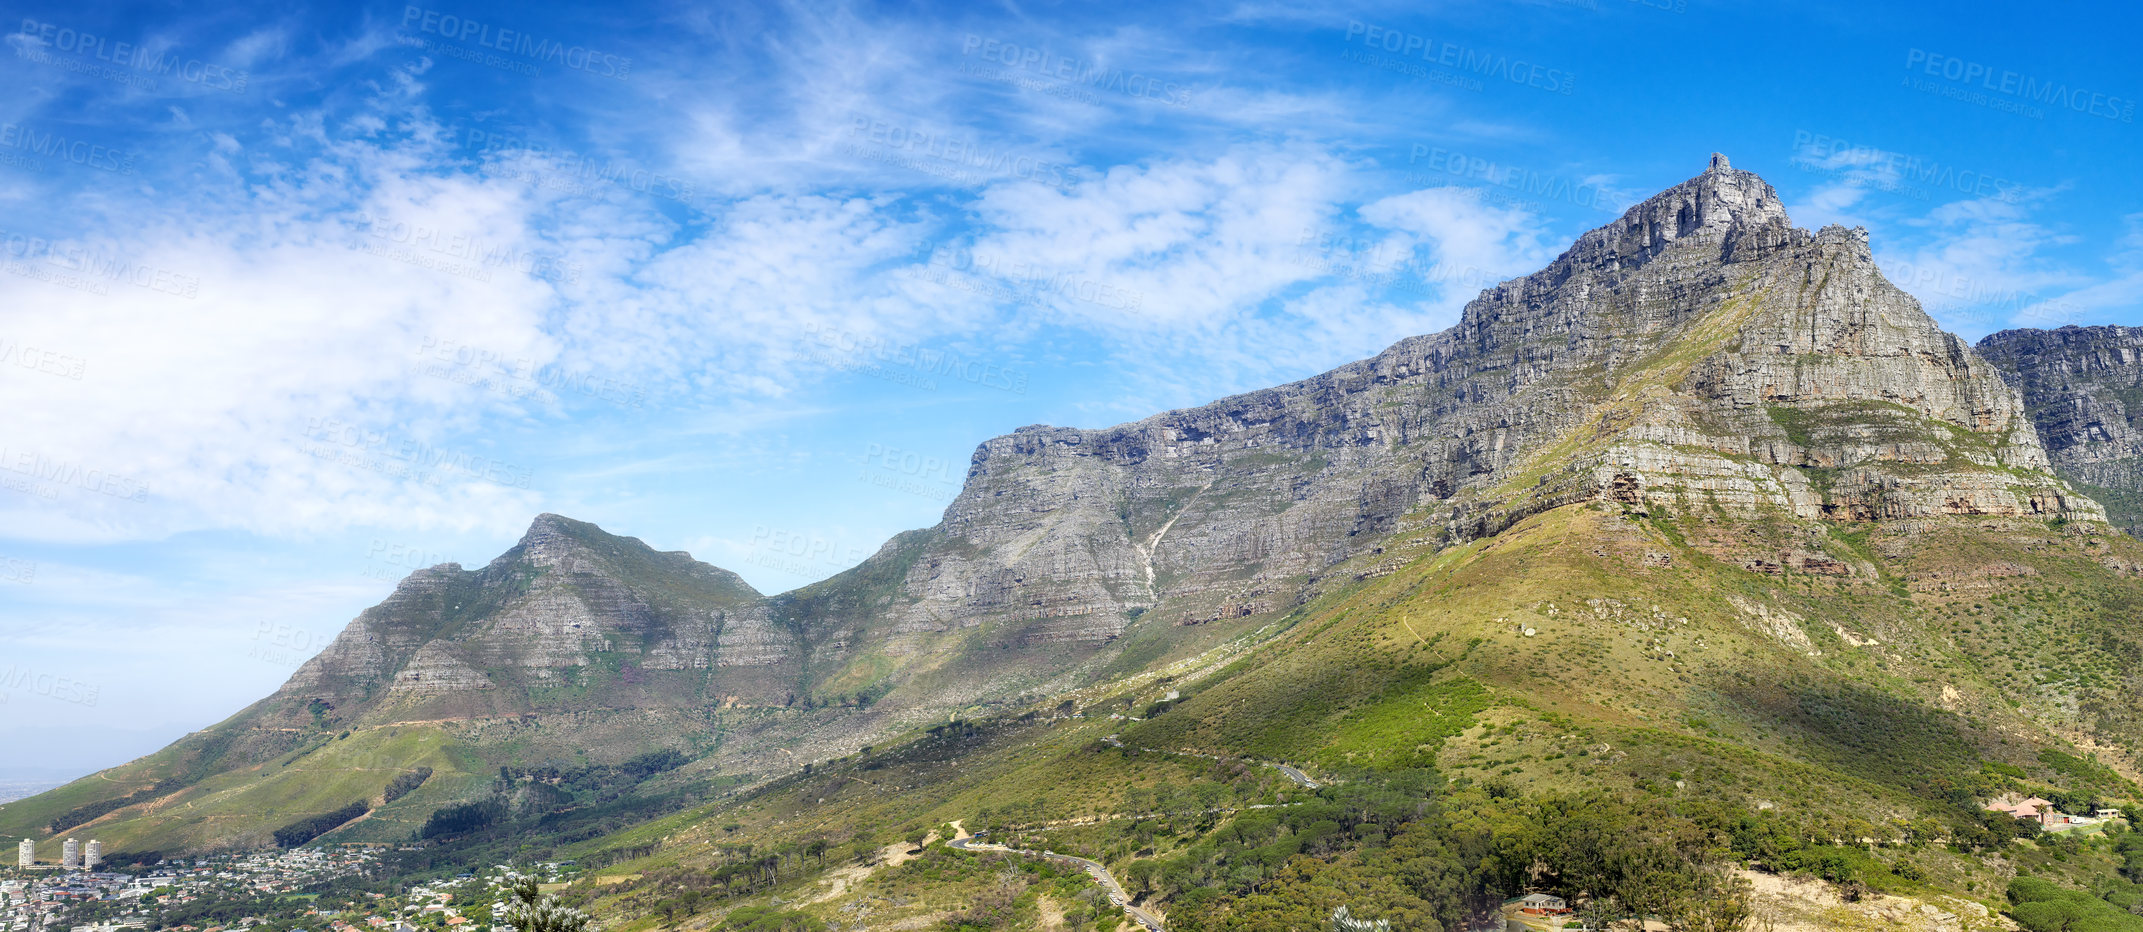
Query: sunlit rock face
x=1698 y=353
x=2083 y=387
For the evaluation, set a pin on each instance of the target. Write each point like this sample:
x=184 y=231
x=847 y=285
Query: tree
x=530 y=910
x=1709 y=899
x=1602 y=912
x=1765 y=916
x=1344 y=922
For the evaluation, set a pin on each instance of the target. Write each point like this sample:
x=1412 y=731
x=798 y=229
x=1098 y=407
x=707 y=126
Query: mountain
x=1699 y=351
x=569 y=611
x=1702 y=551
x=575 y=648
x=2083 y=387
x=1706 y=510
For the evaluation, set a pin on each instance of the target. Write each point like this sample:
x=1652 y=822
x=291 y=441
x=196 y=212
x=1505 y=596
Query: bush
x=2043 y=907
x=652 y=763
x=304 y=830
x=770 y=919
x=462 y=819
x=404 y=784
x=81 y=814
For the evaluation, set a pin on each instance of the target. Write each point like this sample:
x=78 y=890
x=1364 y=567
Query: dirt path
x=843 y=879
x=1052 y=914
x=1094 y=870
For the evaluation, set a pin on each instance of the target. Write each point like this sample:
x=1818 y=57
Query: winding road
x=1093 y=869
x=1109 y=884
x=1301 y=779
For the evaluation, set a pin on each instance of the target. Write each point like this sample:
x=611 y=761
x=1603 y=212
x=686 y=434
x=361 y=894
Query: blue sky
x=300 y=297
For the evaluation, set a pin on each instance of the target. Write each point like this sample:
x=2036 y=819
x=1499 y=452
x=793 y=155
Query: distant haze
x=67 y=754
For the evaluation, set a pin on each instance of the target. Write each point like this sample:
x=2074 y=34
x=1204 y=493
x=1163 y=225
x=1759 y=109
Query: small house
x=1542 y=904
x=2035 y=809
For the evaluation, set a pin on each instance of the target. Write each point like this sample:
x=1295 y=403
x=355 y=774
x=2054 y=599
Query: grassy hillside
x=402 y=774
x=323 y=774
x=1594 y=672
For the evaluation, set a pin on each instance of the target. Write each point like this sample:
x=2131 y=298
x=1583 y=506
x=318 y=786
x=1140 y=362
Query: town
x=325 y=889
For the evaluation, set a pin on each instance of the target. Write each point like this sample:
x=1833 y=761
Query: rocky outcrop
x=436 y=670
x=2083 y=387
x=570 y=620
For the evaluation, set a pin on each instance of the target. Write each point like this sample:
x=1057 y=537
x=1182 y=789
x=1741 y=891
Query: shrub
x=304 y=830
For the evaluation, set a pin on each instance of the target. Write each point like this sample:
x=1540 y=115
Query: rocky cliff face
x=1698 y=354
x=2083 y=387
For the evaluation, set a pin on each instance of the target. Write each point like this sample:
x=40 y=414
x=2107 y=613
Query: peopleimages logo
x=57 y=146
x=48 y=685
x=135 y=56
x=1453 y=55
x=2021 y=87
x=484 y=35
x=1078 y=73
x=1894 y=170
x=42 y=468
x=1442 y=163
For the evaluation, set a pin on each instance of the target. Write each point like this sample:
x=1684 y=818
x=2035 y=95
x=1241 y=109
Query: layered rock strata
x=2083 y=387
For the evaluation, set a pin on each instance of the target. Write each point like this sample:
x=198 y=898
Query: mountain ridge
x=1696 y=356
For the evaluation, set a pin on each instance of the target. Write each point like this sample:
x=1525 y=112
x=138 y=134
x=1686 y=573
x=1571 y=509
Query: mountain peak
x=548 y=523
x=1720 y=198
x=1735 y=210
x=551 y=537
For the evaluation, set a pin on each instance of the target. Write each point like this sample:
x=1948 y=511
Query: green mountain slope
x=1592 y=651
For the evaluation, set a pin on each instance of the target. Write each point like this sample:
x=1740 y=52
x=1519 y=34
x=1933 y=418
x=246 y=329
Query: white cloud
x=1975 y=264
x=1306 y=291
x=1462 y=235
x=1165 y=245
x=2120 y=294
x=1980 y=264
x=209 y=349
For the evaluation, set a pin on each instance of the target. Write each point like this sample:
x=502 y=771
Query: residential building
x=2035 y=809
x=93 y=856
x=1542 y=904
x=71 y=855
x=26 y=854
